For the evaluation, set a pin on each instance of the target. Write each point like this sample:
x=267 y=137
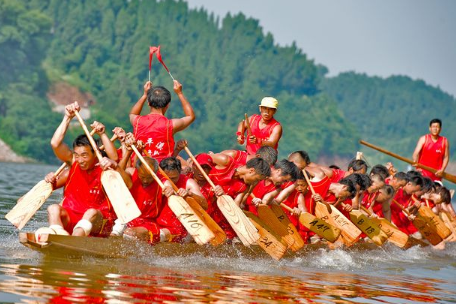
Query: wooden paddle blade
x=434 y=222
x=283 y=218
x=366 y=225
x=449 y=222
x=220 y=235
x=244 y=229
x=120 y=197
x=28 y=204
x=269 y=217
x=349 y=231
x=319 y=226
x=190 y=220
x=269 y=241
x=426 y=231
x=395 y=235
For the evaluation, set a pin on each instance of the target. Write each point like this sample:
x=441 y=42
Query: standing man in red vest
x=155 y=130
x=266 y=131
x=432 y=150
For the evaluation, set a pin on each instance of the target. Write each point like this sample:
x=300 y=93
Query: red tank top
x=369 y=199
x=432 y=155
x=240 y=159
x=338 y=174
x=262 y=134
x=149 y=199
x=224 y=175
x=260 y=190
x=320 y=187
x=156 y=131
x=83 y=190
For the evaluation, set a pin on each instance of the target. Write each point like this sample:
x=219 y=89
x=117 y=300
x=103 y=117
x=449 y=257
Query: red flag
x=152 y=50
x=159 y=57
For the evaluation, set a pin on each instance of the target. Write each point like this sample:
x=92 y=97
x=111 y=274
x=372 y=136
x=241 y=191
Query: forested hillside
x=225 y=65
x=392 y=112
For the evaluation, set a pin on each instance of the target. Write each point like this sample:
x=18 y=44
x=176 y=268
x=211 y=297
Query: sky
x=416 y=38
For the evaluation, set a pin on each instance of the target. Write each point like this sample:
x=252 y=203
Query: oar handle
x=141 y=158
x=247 y=122
x=199 y=167
x=89 y=136
x=366 y=210
x=286 y=207
x=402 y=207
x=308 y=181
x=113 y=138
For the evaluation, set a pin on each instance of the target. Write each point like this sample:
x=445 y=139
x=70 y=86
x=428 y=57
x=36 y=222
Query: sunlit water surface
x=386 y=275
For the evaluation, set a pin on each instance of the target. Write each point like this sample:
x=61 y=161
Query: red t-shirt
x=398 y=217
x=338 y=174
x=156 y=131
x=261 y=134
x=260 y=190
x=432 y=155
x=149 y=199
x=240 y=159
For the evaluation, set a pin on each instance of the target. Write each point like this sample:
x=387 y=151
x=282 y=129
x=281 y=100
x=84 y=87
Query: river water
x=384 y=275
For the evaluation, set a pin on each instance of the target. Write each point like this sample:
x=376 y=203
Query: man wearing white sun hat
x=266 y=131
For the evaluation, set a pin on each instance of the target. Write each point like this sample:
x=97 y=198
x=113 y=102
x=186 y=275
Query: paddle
x=28 y=204
x=269 y=217
x=184 y=213
x=119 y=196
x=269 y=241
x=395 y=235
x=447 y=176
x=283 y=218
x=220 y=235
x=421 y=224
x=433 y=220
x=247 y=122
x=244 y=229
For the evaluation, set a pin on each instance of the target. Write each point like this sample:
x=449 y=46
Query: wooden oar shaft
x=366 y=210
x=141 y=158
x=286 y=207
x=308 y=181
x=199 y=167
x=89 y=136
x=247 y=122
x=447 y=176
x=402 y=207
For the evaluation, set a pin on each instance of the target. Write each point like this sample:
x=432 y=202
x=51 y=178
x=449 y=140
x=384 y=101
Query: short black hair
x=260 y=165
x=389 y=190
x=401 y=176
x=435 y=120
x=287 y=168
x=350 y=186
x=428 y=184
x=152 y=162
x=380 y=170
x=357 y=164
x=362 y=180
x=303 y=154
x=82 y=141
x=445 y=195
x=170 y=164
x=416 y=180
x=269 y=154
x=334 y=167
x=158 y=97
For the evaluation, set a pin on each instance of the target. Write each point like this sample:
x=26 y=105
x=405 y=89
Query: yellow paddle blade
x=395 y=235
x=434 y=222
x=319 y=226
x=190 y=220
x=291 y=229
x=349 y=231
x=449 y=222
x=120 y=197
x=366 y=225
x=426 y=231
x=28 y=204
x=244 y=229
x=220 y=235
x=269 y=241
x=269 y=217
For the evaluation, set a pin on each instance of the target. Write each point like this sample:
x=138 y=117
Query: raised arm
x=109 y=147
x=137 y=108
x=61 y=150
x=419 y=146
x=180 y=124
x=446 y=159
x=195 y=192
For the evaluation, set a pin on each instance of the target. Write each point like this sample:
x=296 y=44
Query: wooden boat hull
x=118 y=247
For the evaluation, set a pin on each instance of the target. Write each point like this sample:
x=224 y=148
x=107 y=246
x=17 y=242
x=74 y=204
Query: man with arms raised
x=432 y=150
x=85 y=209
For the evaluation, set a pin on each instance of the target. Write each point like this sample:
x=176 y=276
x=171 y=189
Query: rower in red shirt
x=187 y=187
x=267 y=153
x=85 y=209
x=266 y=131
x=155 y=130
x=432 y=150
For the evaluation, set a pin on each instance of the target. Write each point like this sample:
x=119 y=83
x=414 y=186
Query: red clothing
x=338 y=174
x=260 y=190
x=83 y=190
x=432 y=155
x=260 y=134
x=320 y=187
x=168 y=219
x=398 y=217
x=156 y=131
x=369 y=199
x=240 y=158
